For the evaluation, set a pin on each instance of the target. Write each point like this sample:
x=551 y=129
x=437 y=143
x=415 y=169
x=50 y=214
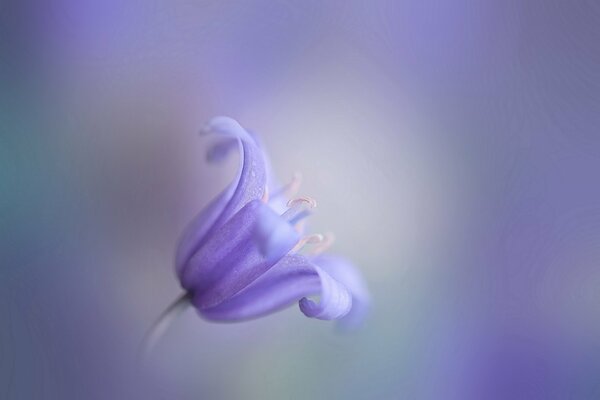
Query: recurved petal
x=249 y=184
x=237 y=253
x=344 y=272
x=272 y=181
x=228 y=127
x=277 y=199
x=335 y=301
x=292 y=279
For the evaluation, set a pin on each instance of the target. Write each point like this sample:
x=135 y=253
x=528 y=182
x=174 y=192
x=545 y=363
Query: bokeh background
x=454 y=149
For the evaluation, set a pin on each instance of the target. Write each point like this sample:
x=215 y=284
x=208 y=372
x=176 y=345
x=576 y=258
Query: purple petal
x=272 y=181
x=237 y=253
x=196 y=231
x=335 y=302
x=292 y=279
x=220 y=150
x=344 y=272
x=249 y=184
x=277 y=200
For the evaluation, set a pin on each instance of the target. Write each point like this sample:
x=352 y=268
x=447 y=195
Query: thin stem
x=163 y=323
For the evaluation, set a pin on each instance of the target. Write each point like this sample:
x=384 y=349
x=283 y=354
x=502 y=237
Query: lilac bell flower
x=244 y=255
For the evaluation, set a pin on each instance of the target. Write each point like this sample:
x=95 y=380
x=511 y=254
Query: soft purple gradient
x=453 y=149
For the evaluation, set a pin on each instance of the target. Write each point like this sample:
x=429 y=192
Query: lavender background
x=453 y=148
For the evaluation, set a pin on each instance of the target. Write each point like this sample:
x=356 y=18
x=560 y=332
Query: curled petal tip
x=333 y=309
x=335 y=301
x=225 y=125
x=212 y=125
x=344 y=272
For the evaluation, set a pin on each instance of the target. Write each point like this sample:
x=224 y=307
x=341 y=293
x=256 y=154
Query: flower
x=244 y=255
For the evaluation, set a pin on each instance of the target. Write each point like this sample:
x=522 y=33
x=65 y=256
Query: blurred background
x=454 y=149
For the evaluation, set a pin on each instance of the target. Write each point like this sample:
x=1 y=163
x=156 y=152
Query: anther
x=326 y=243
x=291 y=188
x=299 y=208
x=315 y=238
x=312 y=203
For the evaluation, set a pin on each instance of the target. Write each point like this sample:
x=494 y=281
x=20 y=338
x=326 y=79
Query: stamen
x=292 y=187
x=315 y=238
x=329 y=239
x=299 y=208
x=300 y=226
x=303 y=199
x=265 y=197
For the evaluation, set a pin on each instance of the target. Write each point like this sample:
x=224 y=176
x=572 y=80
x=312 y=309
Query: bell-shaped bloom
x=240 y=258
